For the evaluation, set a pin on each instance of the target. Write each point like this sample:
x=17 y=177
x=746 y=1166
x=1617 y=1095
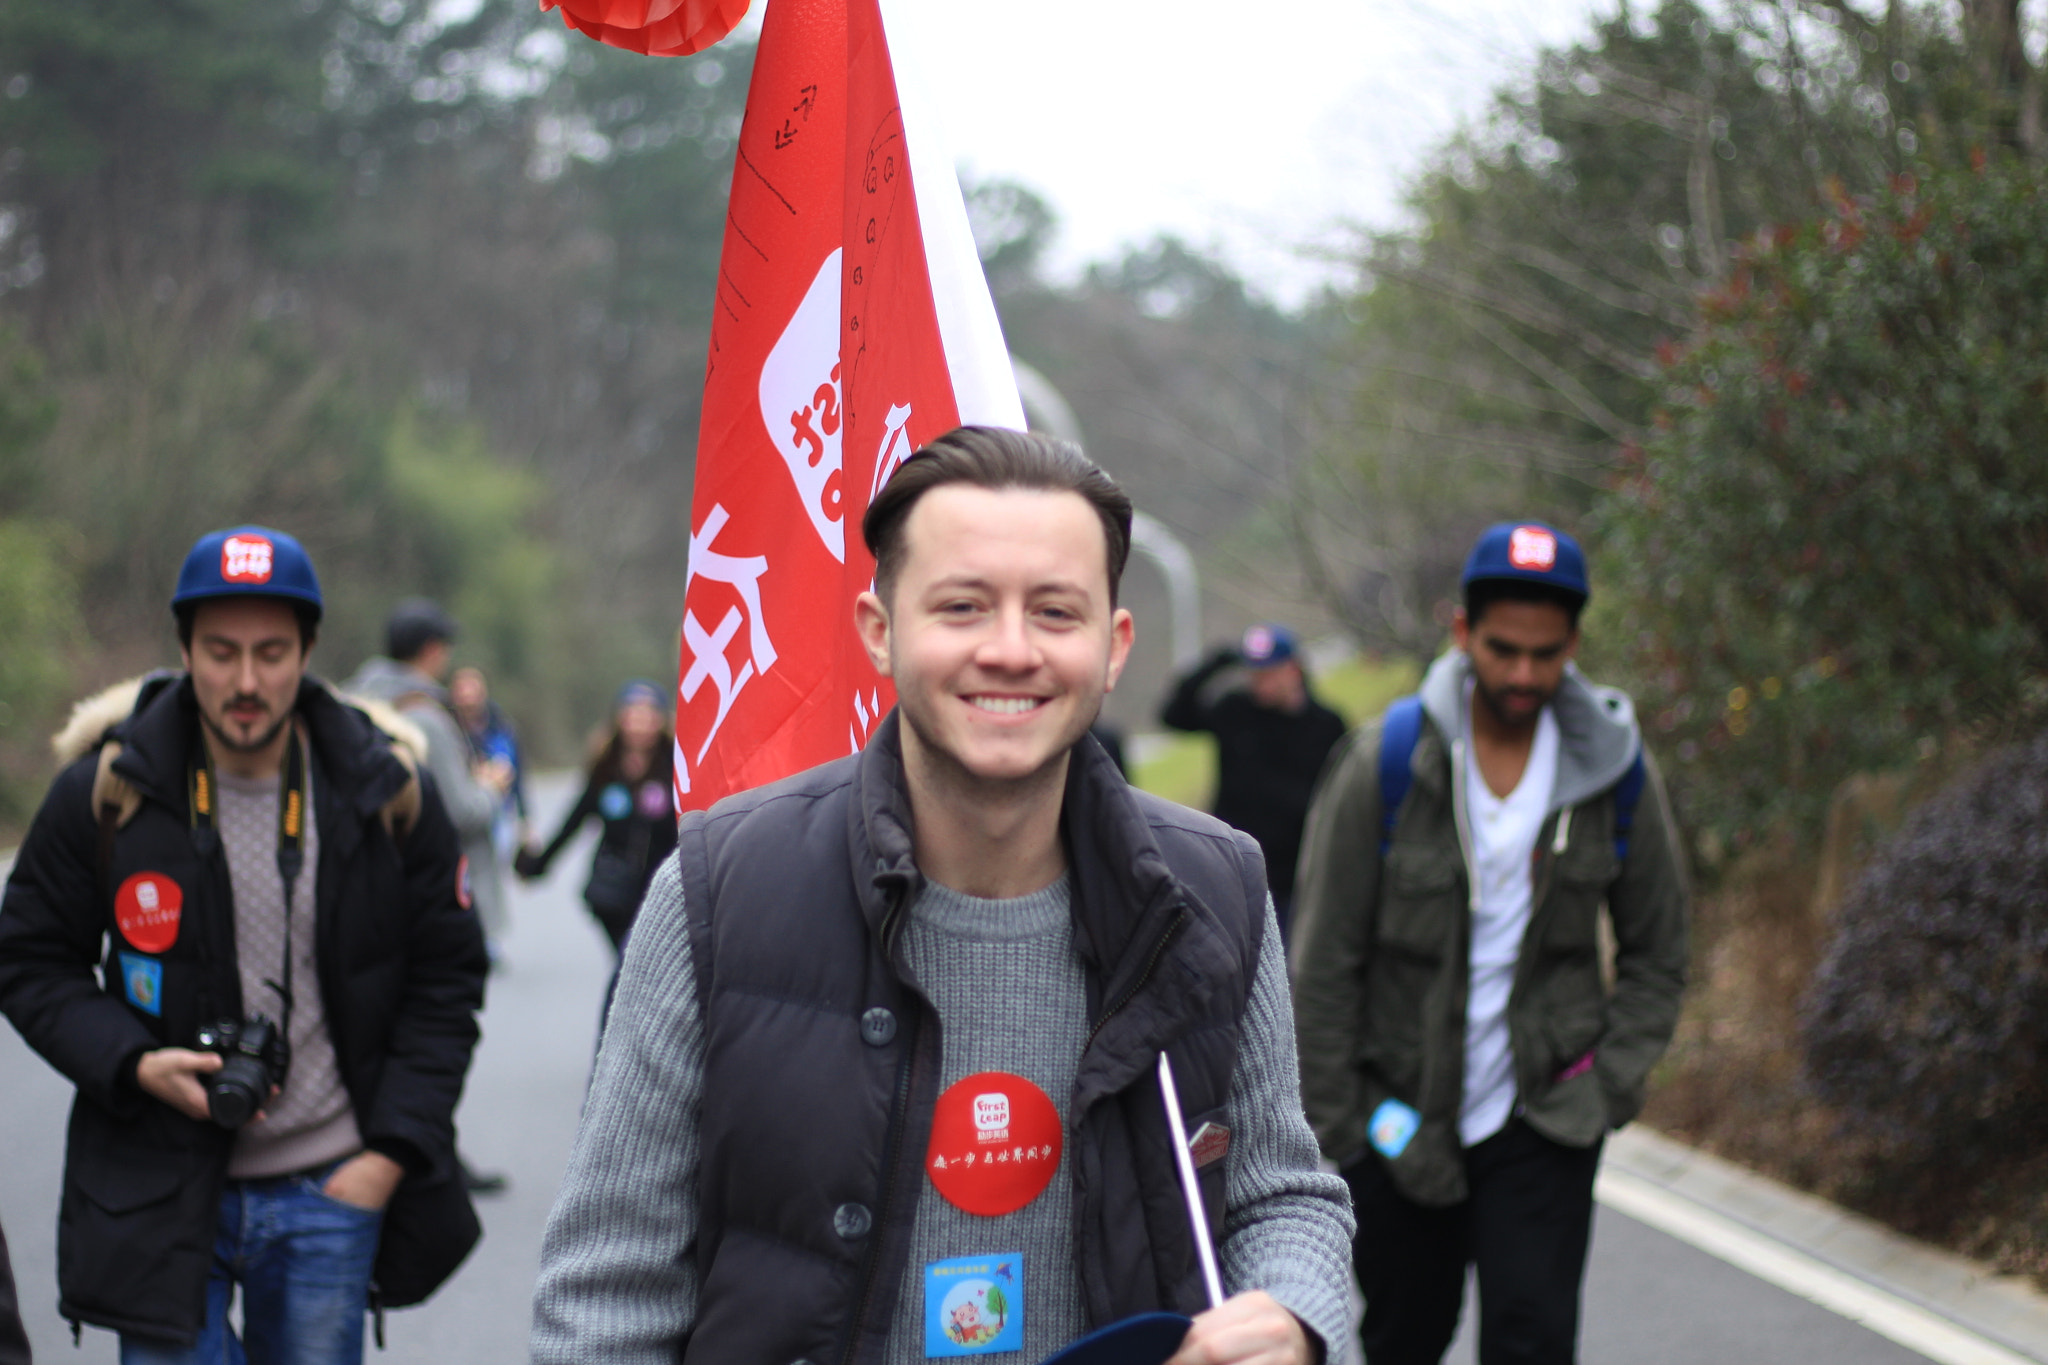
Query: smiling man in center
x=879 y=1084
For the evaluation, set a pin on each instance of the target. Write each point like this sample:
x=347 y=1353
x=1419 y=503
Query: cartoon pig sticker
x=801 y=405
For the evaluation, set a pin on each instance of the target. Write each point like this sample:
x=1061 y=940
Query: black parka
x=401 y=965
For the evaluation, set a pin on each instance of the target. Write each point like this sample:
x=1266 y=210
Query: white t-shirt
x=1504 y=833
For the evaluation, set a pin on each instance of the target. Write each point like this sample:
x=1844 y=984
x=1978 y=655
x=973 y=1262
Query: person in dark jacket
x=882 y=1073
x=1466 y=1041
x=630 y=786
x=257 y=857
x=1272 y=738
x=13 y=1336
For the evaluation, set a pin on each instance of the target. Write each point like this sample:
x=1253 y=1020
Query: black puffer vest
x=822 y=1057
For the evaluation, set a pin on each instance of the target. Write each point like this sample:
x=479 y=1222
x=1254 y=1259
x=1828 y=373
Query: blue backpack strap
x=1398 y=733
x=1628 y=793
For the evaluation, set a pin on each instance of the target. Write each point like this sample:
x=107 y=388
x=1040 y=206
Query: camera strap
x=203 y=790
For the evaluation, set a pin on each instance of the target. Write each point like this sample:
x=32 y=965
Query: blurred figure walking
x=630 y=786
x=1272 y=736
x=492 y=739
x=418 y=638
x=1465 y=1043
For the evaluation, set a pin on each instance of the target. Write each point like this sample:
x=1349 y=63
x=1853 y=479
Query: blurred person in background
x=1272 y=737
x=418 y=642
x=492 y=738
x=1463 y=1053
x=409 y=676
x=630 y=787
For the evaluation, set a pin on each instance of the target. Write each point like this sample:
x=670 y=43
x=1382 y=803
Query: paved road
x=1650 y=1300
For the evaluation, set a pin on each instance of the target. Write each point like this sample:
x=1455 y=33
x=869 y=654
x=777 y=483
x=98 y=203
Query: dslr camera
x=257 y=1054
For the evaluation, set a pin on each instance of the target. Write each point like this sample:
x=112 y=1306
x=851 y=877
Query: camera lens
x=237 y=1091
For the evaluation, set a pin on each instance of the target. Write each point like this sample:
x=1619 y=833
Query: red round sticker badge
x=147 y=909
x=995 y=1143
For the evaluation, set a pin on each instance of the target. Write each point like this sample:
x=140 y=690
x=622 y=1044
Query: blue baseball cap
x=1267 y=644
x=1528 y=552
x=641 y=690
x=248 y=561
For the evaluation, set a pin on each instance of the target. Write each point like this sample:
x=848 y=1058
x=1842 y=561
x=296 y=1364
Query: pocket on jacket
x=1583 y=877
x=126 y=1188
x=1420 y=901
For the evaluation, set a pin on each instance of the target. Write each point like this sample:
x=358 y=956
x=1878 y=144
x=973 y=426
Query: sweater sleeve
x=1286 y=1224
x=618 y=1269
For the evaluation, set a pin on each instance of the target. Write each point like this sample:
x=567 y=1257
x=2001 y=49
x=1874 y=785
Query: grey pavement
x=1649 y=1296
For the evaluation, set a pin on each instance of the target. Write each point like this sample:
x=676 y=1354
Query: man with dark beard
x=1462 y=1054
x=237 y=925
x=879 y=1083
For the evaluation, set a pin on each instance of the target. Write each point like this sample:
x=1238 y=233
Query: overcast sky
x=1254 y=129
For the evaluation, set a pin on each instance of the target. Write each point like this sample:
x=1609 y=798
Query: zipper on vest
x=1158 y=950
x=895 y=1163
x=898 y=1125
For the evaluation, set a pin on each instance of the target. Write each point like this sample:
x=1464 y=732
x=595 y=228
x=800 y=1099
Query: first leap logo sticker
x=1532 y=547
x=147 y=909
x=246 y=559
x=995 y=1143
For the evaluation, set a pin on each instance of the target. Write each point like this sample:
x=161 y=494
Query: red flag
x=853 y=324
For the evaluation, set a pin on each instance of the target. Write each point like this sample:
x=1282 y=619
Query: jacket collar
x=1597 y=732
x=350 y=755
x=1129 y=908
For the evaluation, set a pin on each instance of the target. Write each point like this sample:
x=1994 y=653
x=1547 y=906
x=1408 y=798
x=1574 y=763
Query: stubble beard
x=1492 y=700
x=237 y=746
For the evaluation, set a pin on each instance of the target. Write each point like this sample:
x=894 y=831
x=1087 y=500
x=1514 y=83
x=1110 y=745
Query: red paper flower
x=659 y=28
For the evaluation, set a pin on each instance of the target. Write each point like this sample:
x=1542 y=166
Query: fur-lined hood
x=93 y=717
x=115 y=795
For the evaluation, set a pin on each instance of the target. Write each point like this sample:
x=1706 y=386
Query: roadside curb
x=1945 y=1306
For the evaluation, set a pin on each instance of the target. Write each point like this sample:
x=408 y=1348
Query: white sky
x=1252 y=129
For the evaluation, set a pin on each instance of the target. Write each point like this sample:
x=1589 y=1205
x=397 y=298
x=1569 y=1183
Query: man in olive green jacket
x=1465 y=1043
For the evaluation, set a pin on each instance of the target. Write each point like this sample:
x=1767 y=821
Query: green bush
x=1834 y=547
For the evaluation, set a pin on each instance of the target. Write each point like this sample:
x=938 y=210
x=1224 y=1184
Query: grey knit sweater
x=618 y=1283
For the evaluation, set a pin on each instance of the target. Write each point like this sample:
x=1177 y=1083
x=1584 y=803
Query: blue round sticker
x=615 y=802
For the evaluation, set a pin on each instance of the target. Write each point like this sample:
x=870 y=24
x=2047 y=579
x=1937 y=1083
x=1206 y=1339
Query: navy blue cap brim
x=247 y=590
x=1548 y=580
x=1147 y=1339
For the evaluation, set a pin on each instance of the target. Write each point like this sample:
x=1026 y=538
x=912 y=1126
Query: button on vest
x=852 y=1221
x=877 y=1027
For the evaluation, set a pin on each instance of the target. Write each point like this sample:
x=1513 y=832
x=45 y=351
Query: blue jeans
x=303 y=1261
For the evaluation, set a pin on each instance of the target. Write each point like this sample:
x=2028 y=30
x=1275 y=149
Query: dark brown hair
x=994 y=458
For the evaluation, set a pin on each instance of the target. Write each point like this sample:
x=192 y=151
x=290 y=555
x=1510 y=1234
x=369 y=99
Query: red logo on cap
x=147 y=909
x=995 y=1143
x=245 y=559
x=1532 y=547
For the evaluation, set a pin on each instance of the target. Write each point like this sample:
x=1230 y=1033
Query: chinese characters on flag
x=852 y=325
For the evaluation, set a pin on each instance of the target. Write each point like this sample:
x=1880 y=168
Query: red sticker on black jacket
x=995 y=1143
x=463 y=897
x=147 y=909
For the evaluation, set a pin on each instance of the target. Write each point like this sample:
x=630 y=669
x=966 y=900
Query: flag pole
x=1191 y=1191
